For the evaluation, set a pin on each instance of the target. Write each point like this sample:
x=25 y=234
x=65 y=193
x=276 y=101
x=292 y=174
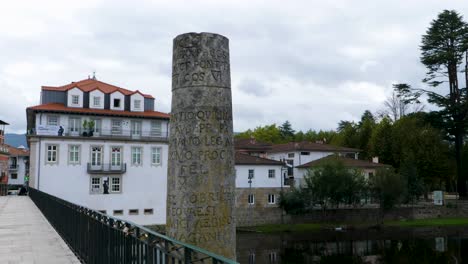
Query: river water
x=378 y=245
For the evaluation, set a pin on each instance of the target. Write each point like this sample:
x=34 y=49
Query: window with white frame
x=74 y=154
x=115 y=185
x=96 y=155
x=290 y=155
x=75 y=99
x=96 y=101
x=251 y=174
x=96 y=185
x=156 y=156
x=52 y=153
x=116 y=156
x=136 y=155
x=135 y=128
x=271 y=198
x=271 y=174
x=251 y=199
x=137 y=104
x=97 y=125
x=116 y=127
x=156 y=128
x=52 y=120
x=74 y=124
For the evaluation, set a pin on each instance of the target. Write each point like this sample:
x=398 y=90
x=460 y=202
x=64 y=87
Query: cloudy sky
x=313 y=63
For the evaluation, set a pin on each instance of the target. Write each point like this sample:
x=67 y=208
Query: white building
x=298 y=153
x=18 y=165
x=101 y=146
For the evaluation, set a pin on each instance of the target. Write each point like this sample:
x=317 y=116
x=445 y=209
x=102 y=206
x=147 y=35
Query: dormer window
x=96 y=101
x=75 y=99
x=137 y=104
x=116 y=103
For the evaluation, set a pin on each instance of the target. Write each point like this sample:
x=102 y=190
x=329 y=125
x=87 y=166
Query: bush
x=388 y=187
x=293 y=202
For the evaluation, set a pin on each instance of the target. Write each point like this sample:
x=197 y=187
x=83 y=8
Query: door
x=74 y=126
x=116 y=158
x=136 y=129
x=96 y=158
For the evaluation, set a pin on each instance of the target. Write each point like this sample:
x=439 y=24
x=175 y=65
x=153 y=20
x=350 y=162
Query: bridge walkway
x=27 y=237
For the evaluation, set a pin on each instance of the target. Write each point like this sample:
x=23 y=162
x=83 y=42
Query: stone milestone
x=201 y=177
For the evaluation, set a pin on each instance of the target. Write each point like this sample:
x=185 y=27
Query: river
x=377 y=245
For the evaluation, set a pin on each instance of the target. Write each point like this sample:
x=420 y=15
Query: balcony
x=106 y=168
x=14 y=167
x=118 y=134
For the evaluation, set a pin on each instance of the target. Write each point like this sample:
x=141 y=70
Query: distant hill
x=16 y=140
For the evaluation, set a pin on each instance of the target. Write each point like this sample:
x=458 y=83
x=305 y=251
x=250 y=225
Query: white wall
x=260 y=179
x=70 y=93
x=21 y=171
x=117 y=95
x=142 y=187
x=137 y=96
x=96 y=93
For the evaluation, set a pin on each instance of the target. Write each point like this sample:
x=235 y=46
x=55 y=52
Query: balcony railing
x=115 y=133
x=107 y=168
x=98 y=238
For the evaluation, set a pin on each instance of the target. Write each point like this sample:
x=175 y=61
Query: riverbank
x=310 y=227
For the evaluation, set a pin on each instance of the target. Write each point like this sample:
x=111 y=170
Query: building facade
x=101 y=146
x=4 y=156
x=18 y=165
x=259 y=183
x=295 y=154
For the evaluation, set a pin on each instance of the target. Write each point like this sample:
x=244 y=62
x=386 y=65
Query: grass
x=429 y=222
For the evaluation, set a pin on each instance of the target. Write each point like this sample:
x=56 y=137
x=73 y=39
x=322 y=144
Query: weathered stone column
x=201 y=177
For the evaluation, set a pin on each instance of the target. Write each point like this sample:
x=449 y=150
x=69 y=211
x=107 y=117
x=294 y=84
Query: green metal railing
x=98 y=238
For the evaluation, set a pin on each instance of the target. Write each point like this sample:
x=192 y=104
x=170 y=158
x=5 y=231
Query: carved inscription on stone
x=196 y=66
x=201 y=180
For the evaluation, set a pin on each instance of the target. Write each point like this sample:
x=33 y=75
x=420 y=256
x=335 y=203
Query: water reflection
x=423 y=245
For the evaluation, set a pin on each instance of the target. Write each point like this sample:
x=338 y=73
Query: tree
x=333 y=183
x=399 y=105
x=287 y=133
x=365 y=128
x=443 y=49
x=387 y=187
x=381 y=141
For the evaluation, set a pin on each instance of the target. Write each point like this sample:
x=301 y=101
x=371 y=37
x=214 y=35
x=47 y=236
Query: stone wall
x=261 y=212
x=261 y=215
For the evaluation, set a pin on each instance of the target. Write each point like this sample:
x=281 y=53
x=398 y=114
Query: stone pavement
x=27 y=237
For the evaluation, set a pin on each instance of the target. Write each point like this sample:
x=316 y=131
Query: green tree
x=333 y=183
x=387 y=187
x=413 y=137
x=286 y=131
x=443 y=49
x=414 y=185
x=381 y=141
x=365 y=128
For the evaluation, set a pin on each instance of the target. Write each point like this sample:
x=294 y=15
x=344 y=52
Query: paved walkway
x=27 y=237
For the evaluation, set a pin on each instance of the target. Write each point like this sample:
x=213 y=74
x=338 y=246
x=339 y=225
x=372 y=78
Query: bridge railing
x=98 y=238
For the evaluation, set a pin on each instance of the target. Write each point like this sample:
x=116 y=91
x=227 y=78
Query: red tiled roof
x=251 y=144
x=60 y=108
x=245 y=159
x=17 y=151
x=309 y=146
x=347 y=162
x=88 y=85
